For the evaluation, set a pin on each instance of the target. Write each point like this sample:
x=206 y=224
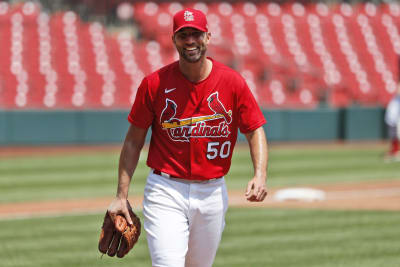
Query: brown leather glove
x=119 y=237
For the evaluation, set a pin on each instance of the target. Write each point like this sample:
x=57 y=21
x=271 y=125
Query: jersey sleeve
x=142 y=113
x=250 y=115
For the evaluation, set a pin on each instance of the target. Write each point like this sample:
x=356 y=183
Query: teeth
x=191 y=49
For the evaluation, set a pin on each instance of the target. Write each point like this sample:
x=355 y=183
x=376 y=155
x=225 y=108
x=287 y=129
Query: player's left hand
x=256 y=189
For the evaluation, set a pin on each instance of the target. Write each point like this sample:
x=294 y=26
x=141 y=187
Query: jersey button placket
x=191 y=140
x=191 y=154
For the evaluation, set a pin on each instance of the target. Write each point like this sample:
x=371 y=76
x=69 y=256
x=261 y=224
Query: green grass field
x=253 y=236
x=95 y=175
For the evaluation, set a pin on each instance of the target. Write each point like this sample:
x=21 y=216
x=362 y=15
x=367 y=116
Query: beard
x=192 y=56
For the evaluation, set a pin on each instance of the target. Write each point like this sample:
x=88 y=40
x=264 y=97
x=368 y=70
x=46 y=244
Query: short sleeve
x=250 y=115
x=142 y=113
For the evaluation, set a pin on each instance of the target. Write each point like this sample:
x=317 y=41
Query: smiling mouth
x=192 y=49
x=191 y=54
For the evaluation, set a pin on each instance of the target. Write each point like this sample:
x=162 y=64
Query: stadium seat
x=341 y=53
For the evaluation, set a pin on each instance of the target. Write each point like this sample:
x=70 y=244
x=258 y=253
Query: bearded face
x=191 y=44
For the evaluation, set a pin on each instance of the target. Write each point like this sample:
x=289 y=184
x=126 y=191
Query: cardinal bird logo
x=169 y=111
x=183 y=129
x=216 y=106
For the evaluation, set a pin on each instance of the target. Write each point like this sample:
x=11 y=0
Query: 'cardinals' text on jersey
x=194 y=125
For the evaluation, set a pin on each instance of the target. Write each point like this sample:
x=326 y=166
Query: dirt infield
x=383 y=195
x=376 y=195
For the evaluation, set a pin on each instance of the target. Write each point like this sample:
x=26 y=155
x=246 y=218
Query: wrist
x=122 y=196
x=122 y=191
x=260 y=174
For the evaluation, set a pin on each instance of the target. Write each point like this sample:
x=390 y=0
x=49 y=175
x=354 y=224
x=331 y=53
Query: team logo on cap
x=212 y=125
x=188 y=16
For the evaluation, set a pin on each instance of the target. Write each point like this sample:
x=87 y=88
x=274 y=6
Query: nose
x=189 y=39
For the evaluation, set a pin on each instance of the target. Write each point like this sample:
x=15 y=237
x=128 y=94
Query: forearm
x=259 y=152
x=129 y=159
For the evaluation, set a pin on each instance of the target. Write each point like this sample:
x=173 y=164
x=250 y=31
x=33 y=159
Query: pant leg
x=392 y=132
x=398 y=129
x=209 y=204
x=165 y=221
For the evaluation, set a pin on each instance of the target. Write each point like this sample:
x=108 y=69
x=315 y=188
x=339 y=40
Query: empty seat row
x=291 y=55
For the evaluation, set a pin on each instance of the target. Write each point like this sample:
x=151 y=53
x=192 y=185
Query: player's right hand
x=120 y=206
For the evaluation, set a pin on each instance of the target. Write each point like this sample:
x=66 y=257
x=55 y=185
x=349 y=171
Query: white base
x=299 y=194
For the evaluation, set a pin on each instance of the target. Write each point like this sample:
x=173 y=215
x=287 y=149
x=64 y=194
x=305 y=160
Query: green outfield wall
x=32 y=127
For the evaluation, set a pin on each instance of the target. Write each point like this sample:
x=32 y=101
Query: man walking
x=195 y=107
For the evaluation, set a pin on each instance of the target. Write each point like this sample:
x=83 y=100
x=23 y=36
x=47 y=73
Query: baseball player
x=195 y=107
x=392 y=120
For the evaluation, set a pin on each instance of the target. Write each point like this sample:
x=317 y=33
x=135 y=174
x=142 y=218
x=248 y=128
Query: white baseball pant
x=398 y=129
x=183 y=221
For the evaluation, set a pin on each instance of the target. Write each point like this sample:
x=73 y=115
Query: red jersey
x=194 y=125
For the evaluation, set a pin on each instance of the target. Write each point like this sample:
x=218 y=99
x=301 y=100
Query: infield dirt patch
x=383 y=195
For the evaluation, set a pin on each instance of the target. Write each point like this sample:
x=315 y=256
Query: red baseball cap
x=190 y=17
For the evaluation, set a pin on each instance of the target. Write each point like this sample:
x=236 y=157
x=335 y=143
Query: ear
x=208 y=37
x=173 y=38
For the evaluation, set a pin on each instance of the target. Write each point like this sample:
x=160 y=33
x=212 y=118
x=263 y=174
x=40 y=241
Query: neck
x=196 y=72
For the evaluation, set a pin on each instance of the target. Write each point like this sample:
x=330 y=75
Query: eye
x=198 y=34
x=182 y=35
x=195 y=35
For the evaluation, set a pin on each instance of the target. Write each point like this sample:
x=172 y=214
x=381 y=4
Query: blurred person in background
x=392 y=120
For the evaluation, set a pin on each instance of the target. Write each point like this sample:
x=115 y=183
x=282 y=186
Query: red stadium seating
x=292 y=55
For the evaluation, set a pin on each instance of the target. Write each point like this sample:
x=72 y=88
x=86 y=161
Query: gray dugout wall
x=33 y=127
